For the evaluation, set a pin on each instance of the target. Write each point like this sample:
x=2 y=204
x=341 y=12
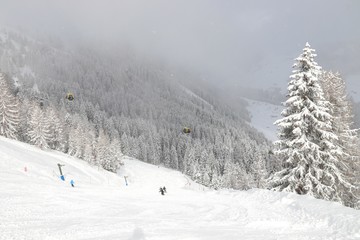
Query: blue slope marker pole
x=125 y=177
x=61 y=174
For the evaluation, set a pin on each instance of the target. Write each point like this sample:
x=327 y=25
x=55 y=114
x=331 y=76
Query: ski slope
x=35 y=204
x=263 y=115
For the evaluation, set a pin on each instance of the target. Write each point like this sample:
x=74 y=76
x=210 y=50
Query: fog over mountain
x=229 y=43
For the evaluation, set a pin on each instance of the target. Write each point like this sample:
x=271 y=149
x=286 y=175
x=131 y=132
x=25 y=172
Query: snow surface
x=36 y=204
x=263 y=115
x=191 y=93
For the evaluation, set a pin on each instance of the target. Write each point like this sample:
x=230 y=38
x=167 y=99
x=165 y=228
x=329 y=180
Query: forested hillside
x=125 y=102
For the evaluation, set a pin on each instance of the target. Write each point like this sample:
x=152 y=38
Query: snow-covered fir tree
x=259 y=173
x=24 y=115
x=9 y=110
x=90 y=151
x=236 y=177
x=109 y=154
x=76 y=137
x=189 y=162
x=115 y=149
x=308 y=147
x=211 y=177
x=125 y=144
x=39 y=132
x=56 y=130
x=174 y=161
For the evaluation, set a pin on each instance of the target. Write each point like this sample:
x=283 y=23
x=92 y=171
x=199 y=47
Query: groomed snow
x=35 y=204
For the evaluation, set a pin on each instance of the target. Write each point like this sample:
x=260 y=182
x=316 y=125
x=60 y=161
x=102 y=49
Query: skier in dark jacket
x=161 y=191
x=164 y=189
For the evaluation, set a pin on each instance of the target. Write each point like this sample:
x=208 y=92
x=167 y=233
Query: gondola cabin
x=70 y=96
x=186 y=130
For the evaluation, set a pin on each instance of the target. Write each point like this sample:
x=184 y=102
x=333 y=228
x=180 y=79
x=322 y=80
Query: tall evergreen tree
x=103 y=143
x=259 y=171
x=77 y=137
x=39 y=131
x=91 y=151
x=174 y=161
x=212 y=169
x=307 y=147
x=189 y=161
x=56 y=130
x=9 y=110
x=110 y=154
x=125 y=144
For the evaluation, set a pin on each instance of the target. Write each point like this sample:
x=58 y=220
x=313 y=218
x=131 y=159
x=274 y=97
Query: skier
x=161 y=191
x=164 y=189
x=72 y=183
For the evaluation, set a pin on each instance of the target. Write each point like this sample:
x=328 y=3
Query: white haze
x=230 y=42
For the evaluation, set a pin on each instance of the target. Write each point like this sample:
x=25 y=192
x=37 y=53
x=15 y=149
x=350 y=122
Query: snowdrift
x=36 y=204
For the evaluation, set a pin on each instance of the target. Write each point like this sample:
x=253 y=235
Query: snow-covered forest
x=125 y=105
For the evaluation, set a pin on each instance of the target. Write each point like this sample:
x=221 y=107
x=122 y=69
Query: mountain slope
x=137 y=102
x=263 y=115
x=36 y=204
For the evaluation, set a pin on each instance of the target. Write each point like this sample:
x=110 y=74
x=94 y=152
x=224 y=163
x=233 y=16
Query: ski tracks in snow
x=36 y=205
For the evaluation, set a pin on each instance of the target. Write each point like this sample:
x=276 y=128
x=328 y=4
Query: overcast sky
x=237 y=41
